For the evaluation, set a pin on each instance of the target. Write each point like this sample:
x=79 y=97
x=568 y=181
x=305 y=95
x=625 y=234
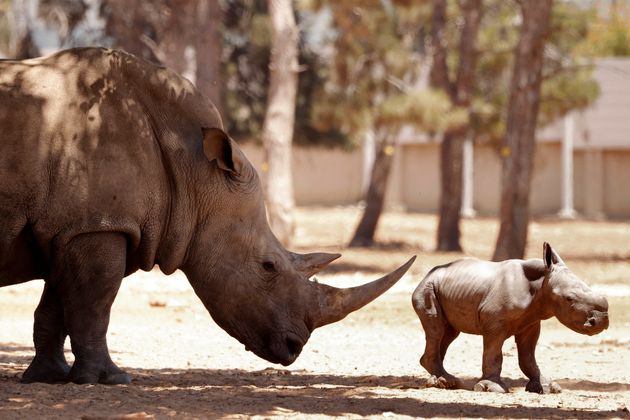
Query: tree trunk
x=375 y=198
x=279 y=119
x=519 y=143
x=209 y=40
x=438 y=77
x=130 y=28
x=22 y=43
x=460 y=92
x=184 y=35
x=451 y=163
x=175 y=41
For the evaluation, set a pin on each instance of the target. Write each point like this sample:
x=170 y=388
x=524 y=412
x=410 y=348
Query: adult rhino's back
x=85 y=134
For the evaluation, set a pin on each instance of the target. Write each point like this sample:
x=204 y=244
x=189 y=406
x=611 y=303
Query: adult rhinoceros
x=110 y=164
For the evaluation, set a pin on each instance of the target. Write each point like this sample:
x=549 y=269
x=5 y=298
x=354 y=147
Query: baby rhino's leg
x=438 y=335
x=526 y=346
x=492 y=364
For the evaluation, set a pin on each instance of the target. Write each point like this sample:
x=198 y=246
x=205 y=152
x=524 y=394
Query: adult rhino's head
x=573 y=302
x=254 y=288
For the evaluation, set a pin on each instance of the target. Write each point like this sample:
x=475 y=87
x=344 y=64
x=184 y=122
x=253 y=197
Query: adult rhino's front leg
x=49 y=364
x=526 y=346
x=87 y=273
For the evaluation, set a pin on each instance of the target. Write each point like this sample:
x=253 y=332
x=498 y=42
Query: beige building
x=595 y=164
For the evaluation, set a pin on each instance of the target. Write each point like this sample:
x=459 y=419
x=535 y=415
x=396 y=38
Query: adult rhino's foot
x=109 y=374
x=46 y=370
x=543 y=388
x=486 y=385
x=444 y=381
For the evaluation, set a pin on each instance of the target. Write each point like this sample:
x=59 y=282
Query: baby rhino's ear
x=550 y=257
x=219 y=147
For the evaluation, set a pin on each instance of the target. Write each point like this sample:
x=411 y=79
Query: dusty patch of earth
x=184 y=366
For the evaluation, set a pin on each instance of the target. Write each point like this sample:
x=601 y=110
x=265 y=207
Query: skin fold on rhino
x=497 y=301
x=110 y=164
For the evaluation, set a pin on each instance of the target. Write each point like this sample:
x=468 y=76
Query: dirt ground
x=184 y=366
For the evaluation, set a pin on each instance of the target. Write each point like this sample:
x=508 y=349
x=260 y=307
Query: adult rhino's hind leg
x=88 y=272
x=49 y=335
x=438 y=336
x=526 y=346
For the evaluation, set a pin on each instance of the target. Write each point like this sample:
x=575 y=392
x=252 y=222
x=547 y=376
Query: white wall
x=333 y=177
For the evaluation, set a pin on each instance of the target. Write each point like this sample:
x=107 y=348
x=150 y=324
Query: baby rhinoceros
x=498 y=300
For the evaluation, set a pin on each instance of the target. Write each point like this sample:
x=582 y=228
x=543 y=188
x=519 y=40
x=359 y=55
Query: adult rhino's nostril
x=294 y=346
x=590 y=322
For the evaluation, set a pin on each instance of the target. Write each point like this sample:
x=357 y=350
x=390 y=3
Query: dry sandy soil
x=184 y=366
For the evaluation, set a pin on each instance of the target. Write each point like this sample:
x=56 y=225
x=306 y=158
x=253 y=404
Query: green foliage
x=361 y=63
x=379 y=49
x=567 y=91
x=568 y=83
x=247 y=42
x=496 y=41
x=608 y=35
x=428 y=110
x=375 y=62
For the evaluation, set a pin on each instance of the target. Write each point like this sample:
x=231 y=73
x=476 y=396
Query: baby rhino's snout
x=597 y=320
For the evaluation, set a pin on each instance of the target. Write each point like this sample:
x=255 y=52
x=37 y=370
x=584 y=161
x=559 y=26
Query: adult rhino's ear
x=217 y=145
x=550 y=257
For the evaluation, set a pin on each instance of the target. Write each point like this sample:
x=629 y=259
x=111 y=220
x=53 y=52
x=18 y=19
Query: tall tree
x=133 y=27
x=460 y=91
x=424 y=110
x=384 y=147
x=22 y=17
x=376 y=62
x=209 y=46
x=182 y=34
x=610 y=32
x=519 y=142
x=372 y=86
x=246 y=52
x=280 y=118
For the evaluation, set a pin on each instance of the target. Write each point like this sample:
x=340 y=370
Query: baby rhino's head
x=573 y=302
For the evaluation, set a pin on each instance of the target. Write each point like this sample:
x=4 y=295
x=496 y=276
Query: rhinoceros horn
x=334 y=304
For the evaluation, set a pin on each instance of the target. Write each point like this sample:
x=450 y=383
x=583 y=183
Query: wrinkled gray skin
x=109 y=164
x=497 y=301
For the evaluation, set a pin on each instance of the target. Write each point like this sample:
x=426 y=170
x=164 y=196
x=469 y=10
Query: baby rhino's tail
x=423 y=299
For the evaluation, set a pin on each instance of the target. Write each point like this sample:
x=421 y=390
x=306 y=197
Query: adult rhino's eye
x=269 y=266
x=569 y=299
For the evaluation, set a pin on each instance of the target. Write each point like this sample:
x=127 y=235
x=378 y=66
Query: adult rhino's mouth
x=281 y=348
x=288 y=348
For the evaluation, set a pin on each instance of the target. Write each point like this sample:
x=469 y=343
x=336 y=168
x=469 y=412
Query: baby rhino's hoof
x=546 y=388
x=486 y=385
x=443 y=382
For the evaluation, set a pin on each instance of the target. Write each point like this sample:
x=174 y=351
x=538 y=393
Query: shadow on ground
x=218 y=393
